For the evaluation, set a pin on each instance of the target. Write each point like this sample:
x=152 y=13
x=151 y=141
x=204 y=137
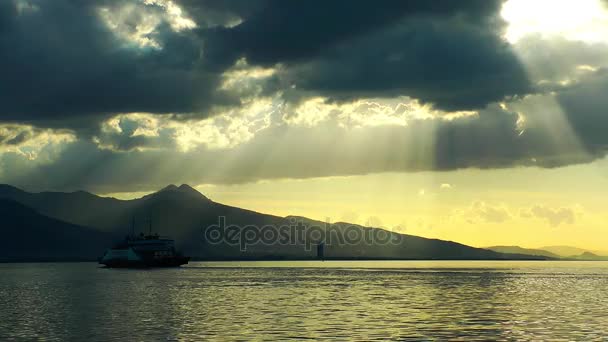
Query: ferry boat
x=149 y=250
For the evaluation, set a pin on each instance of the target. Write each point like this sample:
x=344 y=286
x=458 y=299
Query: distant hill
x=520 y=250
x=554 y=252
x=30 y=236
x=183 y=213
x=80 y=207
x=411 y=247
x=569 y=251
x=589 y=256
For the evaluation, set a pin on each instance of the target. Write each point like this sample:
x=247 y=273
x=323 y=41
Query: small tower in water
x=321 y=251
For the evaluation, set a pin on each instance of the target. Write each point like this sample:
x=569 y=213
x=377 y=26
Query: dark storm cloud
x=8 y=11
x=290 y=31
x=453 y=65
x=213 y=13
x=61 y=63
x=59 y=60
x=62 y=66
x=448 y=53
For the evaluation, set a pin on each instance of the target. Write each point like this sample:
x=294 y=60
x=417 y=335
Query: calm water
x=319 y=300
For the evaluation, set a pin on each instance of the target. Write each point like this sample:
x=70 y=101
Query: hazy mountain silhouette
x=565 y=252
x=587 y=256
x=182 y=213
x=27 y=235
x=569 y=251
x=521 y=250
x=80 y=207
x=411 y=247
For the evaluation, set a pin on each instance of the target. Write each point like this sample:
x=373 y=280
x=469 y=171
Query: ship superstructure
x=141 y=250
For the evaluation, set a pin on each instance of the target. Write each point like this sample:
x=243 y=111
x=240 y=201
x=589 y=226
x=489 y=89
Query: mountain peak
x=184 y=189
x=170 y=187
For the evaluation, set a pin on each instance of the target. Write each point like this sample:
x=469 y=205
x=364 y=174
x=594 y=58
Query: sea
x=314 y=300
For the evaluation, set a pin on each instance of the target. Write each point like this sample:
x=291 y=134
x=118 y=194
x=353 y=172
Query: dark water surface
x=380 y=300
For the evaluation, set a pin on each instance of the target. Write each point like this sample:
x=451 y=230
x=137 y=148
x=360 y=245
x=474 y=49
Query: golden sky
x=527 y=206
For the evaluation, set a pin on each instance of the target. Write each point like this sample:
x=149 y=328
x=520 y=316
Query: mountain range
x=30 y=236
x=569 y=251
x=80 y=225
x=554 y=252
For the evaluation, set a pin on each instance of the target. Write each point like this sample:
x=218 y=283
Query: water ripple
x=379 y=301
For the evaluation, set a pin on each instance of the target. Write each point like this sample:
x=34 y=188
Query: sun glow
x=531 y=24
x=585 y=20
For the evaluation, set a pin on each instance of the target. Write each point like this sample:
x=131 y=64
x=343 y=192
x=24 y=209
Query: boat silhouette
x=150 y=250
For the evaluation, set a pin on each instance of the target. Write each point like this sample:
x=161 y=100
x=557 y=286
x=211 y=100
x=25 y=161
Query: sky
x=478 y=121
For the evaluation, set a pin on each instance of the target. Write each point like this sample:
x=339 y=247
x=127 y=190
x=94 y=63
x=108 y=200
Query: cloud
x=15 y=137
x=452 y=65
x=552 y=61
x=86 y=66
x=487 y=212
x=142 y=152
x=135 y=132
x=553 y=216
x=241 y=91
x=480 y=212
x=145 y=131
x=449 y=53
x=24 y=148
x=101 y=58
x=283 y=32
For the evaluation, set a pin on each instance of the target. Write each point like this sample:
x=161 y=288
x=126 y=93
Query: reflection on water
x=320 y=300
